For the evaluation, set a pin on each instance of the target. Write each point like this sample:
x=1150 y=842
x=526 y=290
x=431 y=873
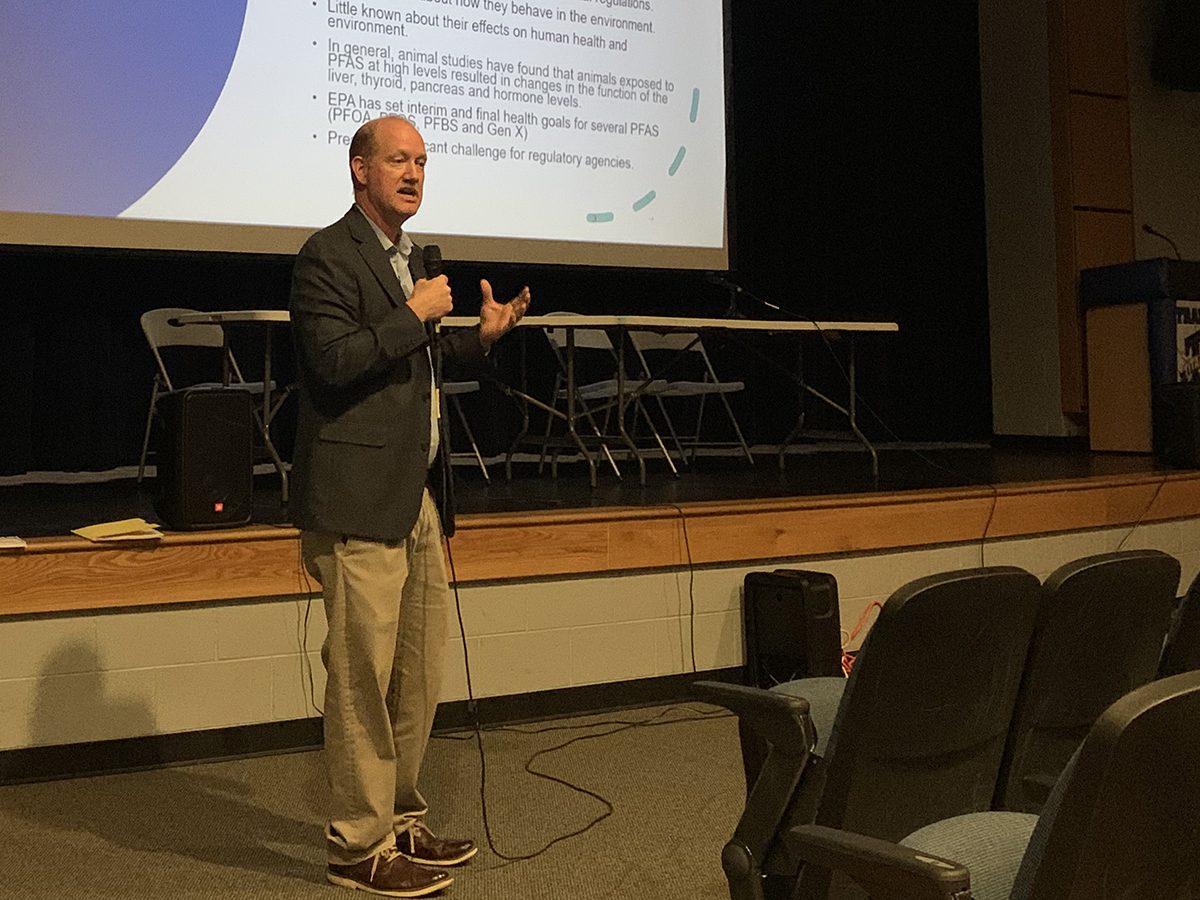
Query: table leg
x=524 y=393
x=571 y=414
x=265 y=422
x=852 y=415
x=621 y=430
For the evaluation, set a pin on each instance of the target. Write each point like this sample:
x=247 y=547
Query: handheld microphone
x=1149 y=229
x=431 y=257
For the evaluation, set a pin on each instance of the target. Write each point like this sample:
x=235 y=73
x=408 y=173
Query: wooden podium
x=1138 y=317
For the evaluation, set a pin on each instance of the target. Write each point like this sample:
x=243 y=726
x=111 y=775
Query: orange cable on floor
x=847 y=656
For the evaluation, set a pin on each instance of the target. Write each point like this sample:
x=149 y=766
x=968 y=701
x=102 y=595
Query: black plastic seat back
x=921 y=729
x=1125 y=824
x=1182 y=650
x=1099 y=635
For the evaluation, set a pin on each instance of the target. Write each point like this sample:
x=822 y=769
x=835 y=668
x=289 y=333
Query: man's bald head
x=365 y=142
x=387 y=167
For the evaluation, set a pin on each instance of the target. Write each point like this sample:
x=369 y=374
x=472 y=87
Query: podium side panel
x=1118 y=359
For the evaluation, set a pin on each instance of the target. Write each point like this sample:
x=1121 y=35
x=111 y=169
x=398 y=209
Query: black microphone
x=1158 y=234
x=431 y=258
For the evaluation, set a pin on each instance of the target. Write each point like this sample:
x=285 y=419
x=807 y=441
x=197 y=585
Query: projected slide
x=548 y=120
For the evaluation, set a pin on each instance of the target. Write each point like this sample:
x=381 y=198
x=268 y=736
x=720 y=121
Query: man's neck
x=391 y=229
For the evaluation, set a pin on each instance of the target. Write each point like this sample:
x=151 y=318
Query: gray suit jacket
x=362 y=439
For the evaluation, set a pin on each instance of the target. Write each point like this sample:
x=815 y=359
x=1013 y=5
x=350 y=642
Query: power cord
x=618 y=725
x=1145 y=512
x=306 y=588
x=687 y=547
x=848 y=657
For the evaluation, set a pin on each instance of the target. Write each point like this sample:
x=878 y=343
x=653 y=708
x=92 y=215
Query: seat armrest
x=780 y=720
x=784 y=723
x=885 y=870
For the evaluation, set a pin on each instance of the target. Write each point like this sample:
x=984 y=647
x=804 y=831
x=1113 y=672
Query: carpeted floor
x=253 y=828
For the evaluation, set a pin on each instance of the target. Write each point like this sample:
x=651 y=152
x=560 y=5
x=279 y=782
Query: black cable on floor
x=477 y=732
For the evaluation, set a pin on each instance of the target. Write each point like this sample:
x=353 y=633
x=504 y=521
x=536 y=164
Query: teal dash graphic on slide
x=648 y=198
x=678 y=159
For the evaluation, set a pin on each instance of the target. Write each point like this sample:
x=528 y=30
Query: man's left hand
x=497 y=319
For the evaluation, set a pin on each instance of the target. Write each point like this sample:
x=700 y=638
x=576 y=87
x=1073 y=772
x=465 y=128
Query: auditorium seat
x=1099 y=634
x=1120 y=822
x=1181 y=652
x=918 y=734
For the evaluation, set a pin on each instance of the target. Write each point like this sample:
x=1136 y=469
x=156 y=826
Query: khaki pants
x=386 y=605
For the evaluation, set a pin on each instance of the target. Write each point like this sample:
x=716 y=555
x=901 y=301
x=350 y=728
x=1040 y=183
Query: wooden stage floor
x=722 y=513
x=33 y=507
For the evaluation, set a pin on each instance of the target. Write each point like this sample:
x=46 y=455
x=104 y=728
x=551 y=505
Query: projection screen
x=559 y=131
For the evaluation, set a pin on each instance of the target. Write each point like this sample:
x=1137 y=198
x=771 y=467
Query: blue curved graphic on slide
x=100 y=99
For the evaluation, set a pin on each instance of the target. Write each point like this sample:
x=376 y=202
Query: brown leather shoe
x=420 y=845
x=390 y=874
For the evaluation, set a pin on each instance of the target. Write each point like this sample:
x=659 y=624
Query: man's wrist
x=486 y=342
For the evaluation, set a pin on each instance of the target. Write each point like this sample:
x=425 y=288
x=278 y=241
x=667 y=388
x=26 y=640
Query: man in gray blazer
x=363 y=315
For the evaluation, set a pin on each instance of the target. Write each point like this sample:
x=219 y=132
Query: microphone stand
x=1149 y=229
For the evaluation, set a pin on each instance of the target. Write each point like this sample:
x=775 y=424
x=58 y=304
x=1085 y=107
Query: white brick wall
x=126 y=674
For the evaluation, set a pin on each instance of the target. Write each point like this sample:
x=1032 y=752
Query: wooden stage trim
x=69 y=574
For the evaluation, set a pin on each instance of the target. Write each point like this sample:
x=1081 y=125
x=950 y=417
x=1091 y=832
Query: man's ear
x=358 y=170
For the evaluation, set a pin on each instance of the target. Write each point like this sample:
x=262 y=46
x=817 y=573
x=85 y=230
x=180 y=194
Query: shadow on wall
x=76 y=701
x=265 y=818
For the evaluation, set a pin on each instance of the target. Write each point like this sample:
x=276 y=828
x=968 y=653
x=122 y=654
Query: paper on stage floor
x=123 y=530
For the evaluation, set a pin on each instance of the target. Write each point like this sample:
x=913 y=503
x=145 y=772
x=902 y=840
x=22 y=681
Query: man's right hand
x=431 y=298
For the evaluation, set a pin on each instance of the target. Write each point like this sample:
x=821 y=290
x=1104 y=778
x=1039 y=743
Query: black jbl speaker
x=793 y=626
x=1176 y=417
x=206 y=459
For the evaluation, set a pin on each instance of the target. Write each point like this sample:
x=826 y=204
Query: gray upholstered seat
x=918 y=731
x=1119 y=823
x=990 y=844
x=1099 y=635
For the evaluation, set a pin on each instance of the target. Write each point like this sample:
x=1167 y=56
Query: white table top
x=233 y=316
x=677 y=323
x=574 y=320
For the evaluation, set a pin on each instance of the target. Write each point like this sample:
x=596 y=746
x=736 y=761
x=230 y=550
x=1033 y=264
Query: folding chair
x=453 y=390
x=677 y=354
x=212 y=351
x=594 y=396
